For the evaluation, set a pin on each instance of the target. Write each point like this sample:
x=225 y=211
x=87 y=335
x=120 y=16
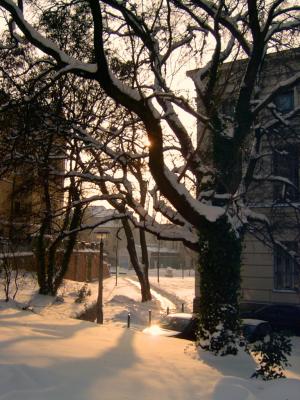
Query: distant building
x=22 y=201
x=163 y=252
x=32 y=162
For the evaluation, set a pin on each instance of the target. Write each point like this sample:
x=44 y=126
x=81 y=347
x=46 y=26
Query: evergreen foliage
x=271 y=354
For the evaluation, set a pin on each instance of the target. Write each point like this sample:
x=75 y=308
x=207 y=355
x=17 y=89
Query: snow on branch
x=68 y=63
x=165 y=231
x=229 y=22
x=273 y=178
x=160 y=206
x=89 y=177
x=93 y=143
x=180 y=102
x=279 y=119
x=285 y=84
x=281 y=27
x=113 y=216
x=47 y=46
x=209 y=212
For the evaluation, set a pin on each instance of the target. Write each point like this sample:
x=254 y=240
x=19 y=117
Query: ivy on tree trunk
x=220 y=261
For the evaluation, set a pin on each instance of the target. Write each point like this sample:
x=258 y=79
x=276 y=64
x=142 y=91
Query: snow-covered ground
x=45 y=355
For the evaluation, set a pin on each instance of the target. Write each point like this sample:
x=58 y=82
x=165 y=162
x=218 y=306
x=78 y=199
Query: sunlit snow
x=49 y=356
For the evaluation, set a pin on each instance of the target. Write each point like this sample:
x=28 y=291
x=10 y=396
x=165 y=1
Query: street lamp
x=117 y=252
x=100 y=236
x=158 y=260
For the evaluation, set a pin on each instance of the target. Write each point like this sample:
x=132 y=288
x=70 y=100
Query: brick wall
x=84 y=264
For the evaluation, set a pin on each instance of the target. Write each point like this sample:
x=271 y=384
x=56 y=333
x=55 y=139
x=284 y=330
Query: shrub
x=83 y=293
x=271 y=354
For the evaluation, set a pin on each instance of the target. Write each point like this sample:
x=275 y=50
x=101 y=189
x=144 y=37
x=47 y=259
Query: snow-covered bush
x=271 y=356
x=83 y=293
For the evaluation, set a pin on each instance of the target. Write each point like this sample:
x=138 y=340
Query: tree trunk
x=75 y=222
x=99 y=312
x=145 y=260
x=145 y=287
x=220 y=261
x=52 y=266
x=41 y=258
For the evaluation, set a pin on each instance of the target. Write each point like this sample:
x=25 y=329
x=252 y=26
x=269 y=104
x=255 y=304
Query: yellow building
x=31 y=172
x=269 y=274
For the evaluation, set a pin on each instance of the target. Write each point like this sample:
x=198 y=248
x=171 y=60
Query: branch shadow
x=74 y=378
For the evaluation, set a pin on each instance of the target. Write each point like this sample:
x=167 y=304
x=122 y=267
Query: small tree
x=9 y=270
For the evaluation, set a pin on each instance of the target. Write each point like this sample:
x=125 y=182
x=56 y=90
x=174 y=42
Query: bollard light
x=128 y=320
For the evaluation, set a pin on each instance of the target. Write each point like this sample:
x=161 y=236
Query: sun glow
x=147 y=142
x=153 y=330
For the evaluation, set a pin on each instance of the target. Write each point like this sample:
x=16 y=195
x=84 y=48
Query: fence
x=83 y=266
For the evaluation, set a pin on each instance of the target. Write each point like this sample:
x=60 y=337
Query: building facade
x=162 y=253
x=270 y=271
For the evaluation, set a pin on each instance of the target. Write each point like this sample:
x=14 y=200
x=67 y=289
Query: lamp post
x=117 y=253
x=158 y=260
x=100 y=236
x=117 y=261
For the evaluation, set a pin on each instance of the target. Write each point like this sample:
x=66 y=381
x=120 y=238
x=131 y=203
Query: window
x=286 y=166
x=286 y=271
x=285 y=101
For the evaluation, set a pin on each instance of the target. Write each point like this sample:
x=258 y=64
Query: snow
x=46 y=355
x=211 y=213
x=133 y=93
x=180 y=290
x=286 y=84
x=46 y=45
x=164 y=302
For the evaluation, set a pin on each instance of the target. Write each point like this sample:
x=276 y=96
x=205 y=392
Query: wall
x=257 y=259
x=258 y=276
x=84 y=264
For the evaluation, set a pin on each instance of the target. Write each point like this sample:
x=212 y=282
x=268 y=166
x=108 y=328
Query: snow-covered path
x=164 y=301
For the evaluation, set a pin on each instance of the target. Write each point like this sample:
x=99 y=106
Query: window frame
x=282 y=192
x=289 y=281
x=280 y=99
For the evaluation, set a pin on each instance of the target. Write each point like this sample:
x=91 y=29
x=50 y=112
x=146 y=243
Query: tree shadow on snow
x=20 y=318
x=242 y=365
x=76 y=378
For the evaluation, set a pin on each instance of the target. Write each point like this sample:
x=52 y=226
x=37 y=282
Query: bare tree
x=9 y=270
x=130 y=168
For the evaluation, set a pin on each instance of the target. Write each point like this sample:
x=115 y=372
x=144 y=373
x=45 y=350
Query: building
x=32 y=153
x=31 y=168
x=22 y=204
x=269 y=273
x=161 y=252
